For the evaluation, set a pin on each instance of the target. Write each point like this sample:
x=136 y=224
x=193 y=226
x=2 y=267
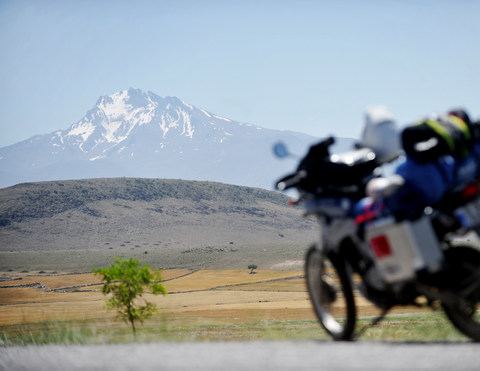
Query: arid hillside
x=132 y=213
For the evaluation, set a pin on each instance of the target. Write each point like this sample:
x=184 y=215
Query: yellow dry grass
x=53 y=311
x=207 y=279
x=56 y=282
x=249 y=302
x=67 y=280
x=26 y=295
x=289 y=285
x=174 y=273
x=213 y=300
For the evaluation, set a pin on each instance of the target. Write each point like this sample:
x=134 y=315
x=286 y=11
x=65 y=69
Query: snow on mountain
x=133 y=133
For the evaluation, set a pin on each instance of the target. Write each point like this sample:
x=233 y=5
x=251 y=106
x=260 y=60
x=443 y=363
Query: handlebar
x=291 y=180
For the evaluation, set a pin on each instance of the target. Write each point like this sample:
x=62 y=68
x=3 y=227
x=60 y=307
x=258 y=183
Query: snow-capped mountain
x=132 y=133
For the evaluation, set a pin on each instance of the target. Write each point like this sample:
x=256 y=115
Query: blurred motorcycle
x=390 y=262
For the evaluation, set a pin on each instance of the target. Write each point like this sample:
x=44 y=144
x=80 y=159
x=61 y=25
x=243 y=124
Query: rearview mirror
x=280 y=150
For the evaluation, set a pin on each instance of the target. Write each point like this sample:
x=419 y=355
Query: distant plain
x=202 y=234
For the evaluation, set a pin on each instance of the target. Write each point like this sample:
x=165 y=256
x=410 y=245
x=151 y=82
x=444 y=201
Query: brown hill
x=131 y=213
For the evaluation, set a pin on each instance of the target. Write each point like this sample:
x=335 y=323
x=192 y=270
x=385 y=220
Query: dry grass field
x=75 y=280
x=199 y=298
x=195 y=293
x=202 y=305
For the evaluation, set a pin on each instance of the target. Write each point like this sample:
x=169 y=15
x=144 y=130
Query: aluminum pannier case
x=402 y=249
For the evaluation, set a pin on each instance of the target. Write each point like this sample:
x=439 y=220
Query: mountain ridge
x=136 y=134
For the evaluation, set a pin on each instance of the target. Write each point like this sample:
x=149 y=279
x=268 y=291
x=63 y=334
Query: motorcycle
x=390 y=262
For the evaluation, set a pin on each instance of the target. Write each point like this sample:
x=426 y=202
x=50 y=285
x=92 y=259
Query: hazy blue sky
x=309 y=66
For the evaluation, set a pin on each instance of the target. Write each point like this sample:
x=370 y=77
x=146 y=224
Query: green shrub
x=127 y=280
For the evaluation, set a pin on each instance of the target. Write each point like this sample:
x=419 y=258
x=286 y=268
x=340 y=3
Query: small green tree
x=126 y=280
x=252 y=267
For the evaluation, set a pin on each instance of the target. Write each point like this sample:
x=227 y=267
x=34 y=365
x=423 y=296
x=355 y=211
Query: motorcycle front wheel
x=331 y=293
x=464 y=263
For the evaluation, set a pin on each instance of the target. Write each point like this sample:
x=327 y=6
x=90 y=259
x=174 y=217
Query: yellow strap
x=461 y=125
x=437 y=127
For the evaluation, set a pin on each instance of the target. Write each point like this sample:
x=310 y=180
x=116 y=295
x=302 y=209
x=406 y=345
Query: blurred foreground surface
x=266 y=355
